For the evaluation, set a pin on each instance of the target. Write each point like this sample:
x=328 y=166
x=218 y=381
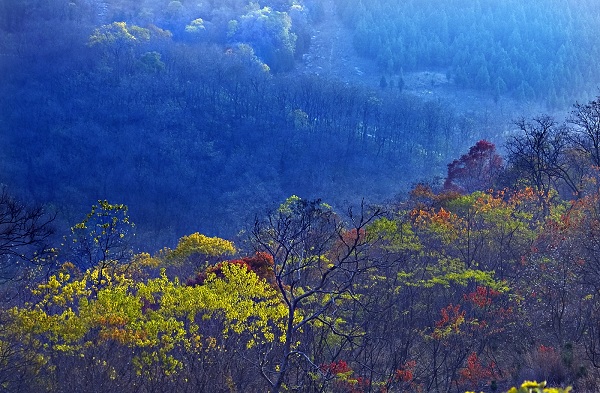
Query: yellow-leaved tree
x=126 y=329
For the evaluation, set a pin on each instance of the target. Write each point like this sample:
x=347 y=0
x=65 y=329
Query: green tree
x=270 y=34
x=196 y=30
x=117 y=42
x=103 y=238
x=383 y=82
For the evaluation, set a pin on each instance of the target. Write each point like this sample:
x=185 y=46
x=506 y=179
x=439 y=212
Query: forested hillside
x=187 y=120
x=260 y=224
x=193 y=113
x=528 y=49
x=471 y=287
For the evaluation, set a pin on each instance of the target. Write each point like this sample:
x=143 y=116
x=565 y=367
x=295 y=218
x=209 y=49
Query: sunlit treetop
x=102 y=237
x=198 y=244
x=157 y=317
x=118 y=33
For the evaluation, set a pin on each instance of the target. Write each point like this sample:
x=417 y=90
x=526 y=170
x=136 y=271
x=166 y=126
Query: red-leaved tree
x=474 y=171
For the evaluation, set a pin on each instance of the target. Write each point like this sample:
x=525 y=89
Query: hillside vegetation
x=464 y=288
x=192 y=113
x=535 y=49
x=256 y=225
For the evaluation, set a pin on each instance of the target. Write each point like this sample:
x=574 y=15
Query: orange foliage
x=335 y=368
x=452 y=318
x=475 y=373
x=482 y=296
x=405 y=373
x=261 y=264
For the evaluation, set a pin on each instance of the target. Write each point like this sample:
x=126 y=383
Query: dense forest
x=471 y=287
x=534 y=49
x=182 y=120
x=257 y=227
x=194 y=114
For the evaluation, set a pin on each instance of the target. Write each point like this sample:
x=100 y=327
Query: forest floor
x=332 y=54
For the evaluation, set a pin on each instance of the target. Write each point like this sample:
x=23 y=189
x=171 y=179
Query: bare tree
x=585 y=130
x=317 y=258
x=25 y=234
x=540 y=153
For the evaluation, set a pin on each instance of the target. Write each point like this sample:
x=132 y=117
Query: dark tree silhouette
x=317 y=259
x=540 y=153
x=24 y=237
x=586 y=129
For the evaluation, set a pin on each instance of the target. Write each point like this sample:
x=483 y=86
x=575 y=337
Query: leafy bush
x=536 y=387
